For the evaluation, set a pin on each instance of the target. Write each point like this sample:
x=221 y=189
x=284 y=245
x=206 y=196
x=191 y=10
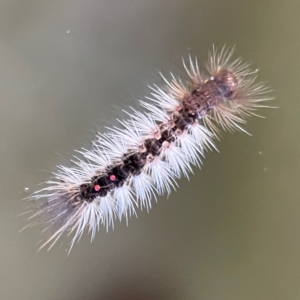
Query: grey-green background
x=67 y=68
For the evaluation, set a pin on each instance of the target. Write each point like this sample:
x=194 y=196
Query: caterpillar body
x=128 y=166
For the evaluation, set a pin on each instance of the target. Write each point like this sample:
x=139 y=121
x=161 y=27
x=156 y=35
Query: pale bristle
x=128 y=166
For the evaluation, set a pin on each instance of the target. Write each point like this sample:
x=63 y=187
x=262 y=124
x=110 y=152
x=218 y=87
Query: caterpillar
x=129 y=165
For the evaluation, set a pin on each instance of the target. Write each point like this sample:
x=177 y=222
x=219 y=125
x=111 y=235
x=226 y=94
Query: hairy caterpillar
x=128 y=166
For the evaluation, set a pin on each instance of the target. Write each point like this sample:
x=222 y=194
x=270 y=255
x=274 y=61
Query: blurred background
x=67 y=70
